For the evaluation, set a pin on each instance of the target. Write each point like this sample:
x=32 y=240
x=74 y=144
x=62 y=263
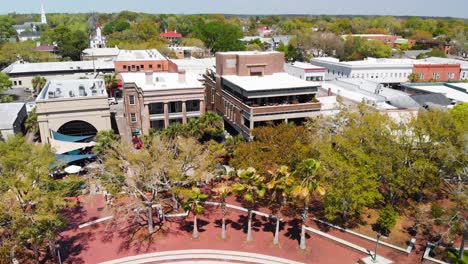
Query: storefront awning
x=62 y=147
x=58 y=136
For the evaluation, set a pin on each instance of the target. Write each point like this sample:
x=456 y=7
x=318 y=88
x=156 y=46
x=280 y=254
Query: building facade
x=156 y=100
x=141 y=61
x=73 y=107
x=12 y=121
x=392 y=71
x=249 y=89
x=97 y=40
x=21 y=73
x=306 y=71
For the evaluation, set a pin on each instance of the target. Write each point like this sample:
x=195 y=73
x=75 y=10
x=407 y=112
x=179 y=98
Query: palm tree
x=31 y=124
x=250 y=188
x=194 y=205
x=278 y=186
x=222 y=192
x=111 y=83
x=306 y=186
x=38 y=82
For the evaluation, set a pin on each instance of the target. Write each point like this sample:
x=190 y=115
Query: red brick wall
x=164 y=66
x=442 y=69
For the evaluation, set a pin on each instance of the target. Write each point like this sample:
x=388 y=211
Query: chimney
x=149 y=78
x=182 y=76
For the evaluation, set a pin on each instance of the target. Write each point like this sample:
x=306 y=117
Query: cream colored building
x=73 y=107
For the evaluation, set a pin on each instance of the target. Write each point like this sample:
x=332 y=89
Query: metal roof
x=9 y=113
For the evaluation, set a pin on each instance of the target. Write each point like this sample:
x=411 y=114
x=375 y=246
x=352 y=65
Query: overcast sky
x=454 y=8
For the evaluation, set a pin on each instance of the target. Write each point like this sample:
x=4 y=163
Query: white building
x=12 y=118
x=378 y=70
x=100 y=53
x=97 y=40
x=381 y=70
x=31 y=26
x=306 y=71
x=21 y=73
x=73 y=107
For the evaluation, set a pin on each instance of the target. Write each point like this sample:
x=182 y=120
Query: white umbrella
x=73 y=169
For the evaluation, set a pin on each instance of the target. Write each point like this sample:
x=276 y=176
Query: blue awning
x=66 y=159
x=58 y=136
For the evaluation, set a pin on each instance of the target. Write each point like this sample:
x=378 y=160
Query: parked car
x=112 y=100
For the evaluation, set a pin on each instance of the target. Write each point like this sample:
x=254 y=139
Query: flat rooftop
x=140 y=55
x=9 y=113
x=305 y=66
x=384 y=62
x=193 y=65
x=101 y=52
x=162 y=80
x=441 y=88
x=68 y=89
x=276 y=81
x=19 y=67
x=245 y=53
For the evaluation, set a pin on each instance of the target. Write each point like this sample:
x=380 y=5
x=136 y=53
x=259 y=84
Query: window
x=142 y=66
x=133 y=118
x=20 y=83
x=175 y=107
x=451 y=75
x=421 y=76
x=131 y=100
x=15 y=83
x=133 y=66
x=436 y=76
x=125 y=67
x=159 y=66
x=156 y=109
x=151 y=66
x=193 y=106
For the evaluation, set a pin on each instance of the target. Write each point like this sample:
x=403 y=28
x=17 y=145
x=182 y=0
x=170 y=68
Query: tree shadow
x=243 y=223
x=294 y=230
x=187 y=226
x=72 y=246
x=269 y=225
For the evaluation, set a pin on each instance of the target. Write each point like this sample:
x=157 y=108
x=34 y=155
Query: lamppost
x=374 y=258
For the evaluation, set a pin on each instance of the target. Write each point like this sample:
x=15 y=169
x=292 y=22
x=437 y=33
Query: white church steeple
x=43 y=15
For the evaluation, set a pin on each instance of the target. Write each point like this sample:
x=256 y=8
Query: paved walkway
x=202 y=254
x=120 y=238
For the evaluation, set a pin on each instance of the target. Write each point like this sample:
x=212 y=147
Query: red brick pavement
x=113 y=239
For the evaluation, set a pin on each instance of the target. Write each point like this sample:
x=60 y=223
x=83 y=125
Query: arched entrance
x=77 y=128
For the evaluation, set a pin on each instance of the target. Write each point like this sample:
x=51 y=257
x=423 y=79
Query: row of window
x=17 y=83
x=436 y=76
x=140 y=67
x=381 y=75
x=314 y=78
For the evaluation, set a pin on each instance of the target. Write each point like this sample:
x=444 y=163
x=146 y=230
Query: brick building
x=437 y=72
x=141 y=61
x=249 y=89
x=156 y=100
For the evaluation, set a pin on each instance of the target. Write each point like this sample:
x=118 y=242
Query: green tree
x=111 y=83
x=105 y=139
x=70 y=42
x=222 y=192
x=305 y=187
x=146 y=30
x=160 y=168
x=38 y=82
x=5 y=82
x=250 y=188
x=220 y=36
x=32 y=218
x=31 y=124
x=194 y=204
x=413 y=77
x=387 y=219
x=279 y=185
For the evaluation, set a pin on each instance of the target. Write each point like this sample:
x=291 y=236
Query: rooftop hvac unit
x=58 y=91
x=51 y=94
x=71 y=94
x=81 y=91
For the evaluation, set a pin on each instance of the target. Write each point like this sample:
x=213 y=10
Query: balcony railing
x=274 y=108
